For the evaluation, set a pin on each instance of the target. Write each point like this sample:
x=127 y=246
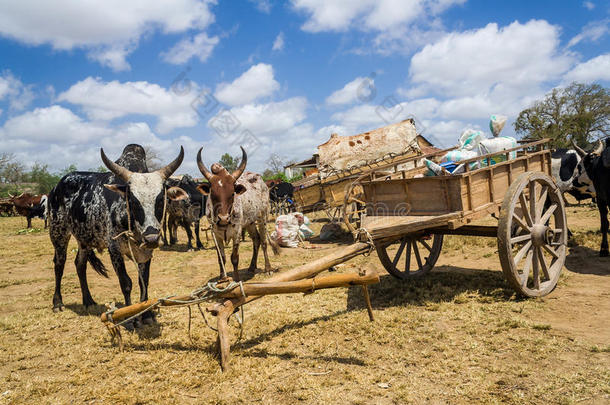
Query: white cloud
x=589 y=5
x=358 y=89
x=19 y=95
x=57 y=137
x=264 y=6
x=594 y=69
x=200 y=46
x=51 y=124
x=110 y=100
x=378 y=15
x=473 y=62
x=278 y=44
x=360 y=117
x=109 y=30
x=268 y=119
x=253 y=84
x=591 y=32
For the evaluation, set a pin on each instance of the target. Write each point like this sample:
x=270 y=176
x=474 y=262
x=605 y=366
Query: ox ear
x=240 y=189
x=117 y=188
x=176 y=194
x=204 y=188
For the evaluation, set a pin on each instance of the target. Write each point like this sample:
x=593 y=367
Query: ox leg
x=197 y=226
x=81 y=270
x=187 y=227
x=119 y=267
x=60 y=242
x=235 y=260
x=118 y=263
x=29 y=219
x=603 y=216
x=173 y=233
x=262 y=232
x=144 y=269
x=256 y=243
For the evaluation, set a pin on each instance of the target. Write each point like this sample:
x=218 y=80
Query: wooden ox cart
x=405 y=221
x=407 y=215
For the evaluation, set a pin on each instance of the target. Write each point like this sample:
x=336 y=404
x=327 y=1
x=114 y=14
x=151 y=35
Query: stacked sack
x=290 y=229
x=473 y=143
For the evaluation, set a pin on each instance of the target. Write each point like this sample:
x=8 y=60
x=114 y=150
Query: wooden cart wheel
x=415 y=257
x=532 y=234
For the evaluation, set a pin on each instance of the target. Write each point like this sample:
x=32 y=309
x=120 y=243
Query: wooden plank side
x=386 y=227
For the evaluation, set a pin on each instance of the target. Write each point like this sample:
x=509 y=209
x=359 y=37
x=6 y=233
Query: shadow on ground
x=584 y=260
x=441 y=285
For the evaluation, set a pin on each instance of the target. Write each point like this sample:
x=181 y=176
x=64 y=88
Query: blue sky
x=278 y=77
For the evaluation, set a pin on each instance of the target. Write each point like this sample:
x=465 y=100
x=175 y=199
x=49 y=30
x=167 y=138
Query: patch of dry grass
x=459 y=335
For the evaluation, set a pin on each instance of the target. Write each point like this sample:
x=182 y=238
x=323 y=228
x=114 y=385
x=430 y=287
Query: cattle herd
x=125 y=209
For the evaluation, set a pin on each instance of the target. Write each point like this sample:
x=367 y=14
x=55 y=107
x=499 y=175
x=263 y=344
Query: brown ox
x=31 y=206
x=238 y=200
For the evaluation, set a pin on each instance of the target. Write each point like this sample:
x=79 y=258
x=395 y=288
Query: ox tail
x=44 y=201
x=275 y=247
x=97 y=264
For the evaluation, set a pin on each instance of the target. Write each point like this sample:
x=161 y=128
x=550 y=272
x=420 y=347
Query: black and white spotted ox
x=185 y=212
x=595 y=167
x=93 y=207
x=564 y=165
x=236 y=200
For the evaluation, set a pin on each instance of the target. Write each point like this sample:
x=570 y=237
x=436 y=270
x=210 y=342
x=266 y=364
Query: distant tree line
x=16 y=179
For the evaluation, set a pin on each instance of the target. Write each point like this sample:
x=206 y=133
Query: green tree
x=579 y=111
x=44 y=180
x=229 y=162
x=68 y=169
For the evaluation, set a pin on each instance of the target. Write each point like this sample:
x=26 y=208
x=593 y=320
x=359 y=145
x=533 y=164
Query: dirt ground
x=458 y=335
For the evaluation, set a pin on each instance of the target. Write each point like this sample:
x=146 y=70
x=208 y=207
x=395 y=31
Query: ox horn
x=173 y=166
x=204 y=170
x=579 y=150
x=242 y=165
x=115 y=168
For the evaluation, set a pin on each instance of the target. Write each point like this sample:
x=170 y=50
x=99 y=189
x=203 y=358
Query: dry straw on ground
x=459 y=335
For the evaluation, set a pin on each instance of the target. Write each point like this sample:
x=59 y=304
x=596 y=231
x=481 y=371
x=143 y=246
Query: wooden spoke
x=400 y=249
x=408 y=261
x=533 y=198
x=545 y=269
x=526 y=269
x=525 y=249
x=536 y=271
x=547 y=215
x=551 y=251
x=520 y=222
x=525 y=210
x=416 y=251
x=541 y=201
x=423 y=242
x=521 y=238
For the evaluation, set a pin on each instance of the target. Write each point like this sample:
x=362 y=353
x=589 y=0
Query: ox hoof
x=199 y=246
x=58 y=308
x=603 y=253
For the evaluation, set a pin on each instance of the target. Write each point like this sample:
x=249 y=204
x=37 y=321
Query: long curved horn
x=204 y=170
x=242 y=165
x=579 y=150
x=118 y=170
x=168 y=170
x=600 y=148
